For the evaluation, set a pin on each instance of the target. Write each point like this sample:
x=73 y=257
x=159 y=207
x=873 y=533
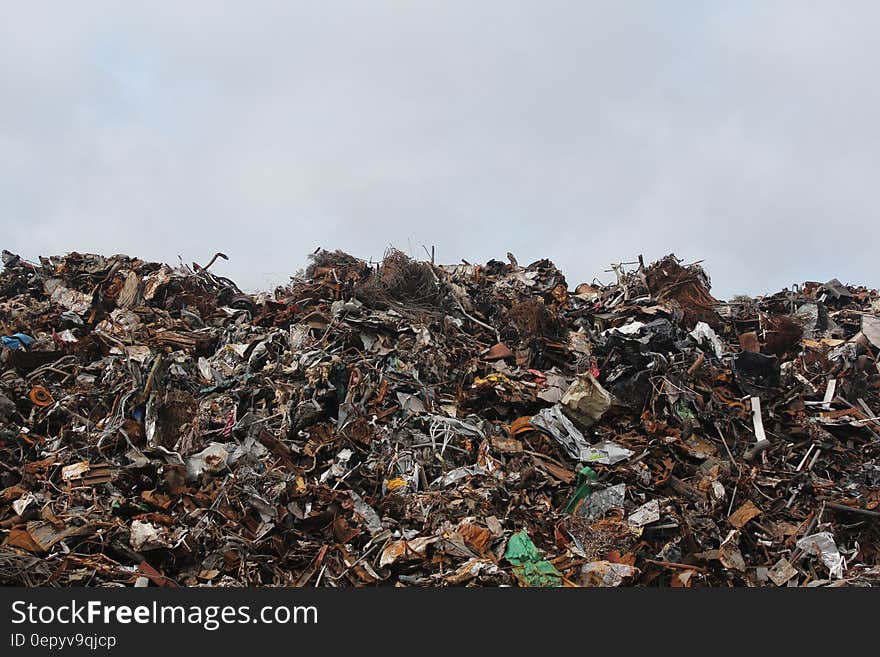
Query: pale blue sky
x=741 y=133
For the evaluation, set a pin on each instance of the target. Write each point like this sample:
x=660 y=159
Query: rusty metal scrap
x=409 y=423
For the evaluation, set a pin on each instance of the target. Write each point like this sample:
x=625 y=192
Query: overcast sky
x=741 y=133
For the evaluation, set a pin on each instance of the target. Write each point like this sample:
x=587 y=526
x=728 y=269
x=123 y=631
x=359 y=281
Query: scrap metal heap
x=411 y=424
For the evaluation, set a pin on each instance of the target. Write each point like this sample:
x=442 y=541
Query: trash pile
x=410 y=424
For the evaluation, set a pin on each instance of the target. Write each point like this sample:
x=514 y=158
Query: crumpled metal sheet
x=601 y=501
x=586 y=399
x=822 y=545
x=73 y=300
x=554 y=421
x=871 y=329
x=646 y=514
x=607 y=573
x=366 y=513
x=457 y=474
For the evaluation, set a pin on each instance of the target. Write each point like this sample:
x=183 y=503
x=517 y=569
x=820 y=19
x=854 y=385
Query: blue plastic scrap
x=17 y=341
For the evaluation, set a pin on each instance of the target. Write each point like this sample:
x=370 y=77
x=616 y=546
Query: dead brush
x=337 y=264
x=531 y=319
x=401 y=279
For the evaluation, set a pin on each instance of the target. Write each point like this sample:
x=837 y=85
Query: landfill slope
x=409 y=424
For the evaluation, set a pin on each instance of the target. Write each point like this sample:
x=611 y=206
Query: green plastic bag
x=585 y=480
x=529 y=564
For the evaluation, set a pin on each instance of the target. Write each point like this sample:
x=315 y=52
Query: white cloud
x=583 y=132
